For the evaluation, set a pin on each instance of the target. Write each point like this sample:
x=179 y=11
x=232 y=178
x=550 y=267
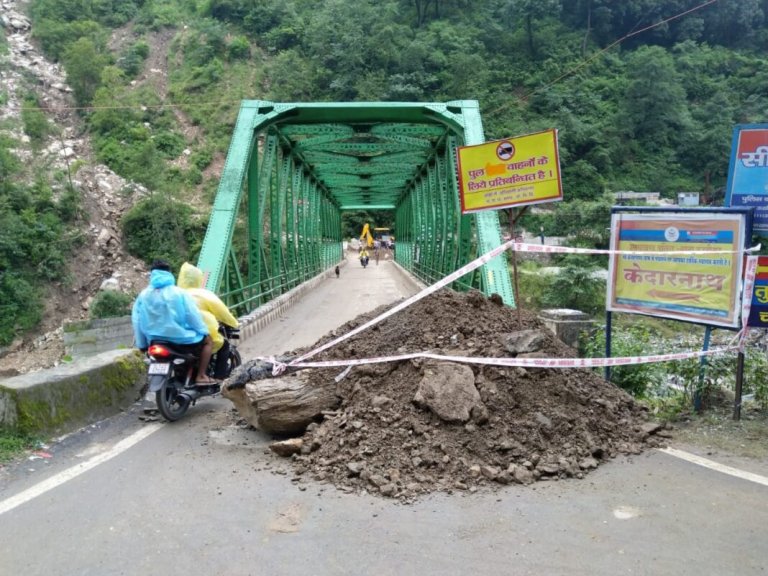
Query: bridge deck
x=332 y=303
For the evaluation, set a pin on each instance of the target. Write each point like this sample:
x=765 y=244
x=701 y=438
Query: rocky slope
x=105 y=196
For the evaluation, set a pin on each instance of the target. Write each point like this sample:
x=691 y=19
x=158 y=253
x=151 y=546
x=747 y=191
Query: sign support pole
x=697 y=400
x=512 y=222
x=739 y=386
x=608 y=343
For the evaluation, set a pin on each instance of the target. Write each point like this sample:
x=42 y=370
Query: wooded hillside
x=645 y=94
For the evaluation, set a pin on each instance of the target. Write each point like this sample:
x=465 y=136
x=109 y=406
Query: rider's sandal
x=208 y=381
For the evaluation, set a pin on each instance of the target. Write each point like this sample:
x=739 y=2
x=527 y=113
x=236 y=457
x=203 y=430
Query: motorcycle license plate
x=159 y=368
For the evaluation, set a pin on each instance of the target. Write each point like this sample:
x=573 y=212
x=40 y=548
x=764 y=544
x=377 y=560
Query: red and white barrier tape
x=522 y=247
x=512 y=362
x=279 y=367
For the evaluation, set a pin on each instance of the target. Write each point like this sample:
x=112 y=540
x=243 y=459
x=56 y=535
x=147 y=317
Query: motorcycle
x=171 y=375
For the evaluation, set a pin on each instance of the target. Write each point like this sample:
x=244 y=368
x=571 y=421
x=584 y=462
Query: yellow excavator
x=366 y=235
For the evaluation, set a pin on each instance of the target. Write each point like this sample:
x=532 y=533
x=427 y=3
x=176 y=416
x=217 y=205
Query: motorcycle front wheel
x=170 y=403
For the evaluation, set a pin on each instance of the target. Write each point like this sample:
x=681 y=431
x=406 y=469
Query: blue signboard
x=748 y=173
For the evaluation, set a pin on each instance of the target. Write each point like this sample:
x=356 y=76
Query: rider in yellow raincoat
x=213 y=311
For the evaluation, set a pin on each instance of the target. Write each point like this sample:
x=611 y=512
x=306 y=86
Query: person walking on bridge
x=165 y=312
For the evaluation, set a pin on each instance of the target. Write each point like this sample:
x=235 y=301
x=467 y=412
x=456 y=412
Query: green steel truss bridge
x=293 y=168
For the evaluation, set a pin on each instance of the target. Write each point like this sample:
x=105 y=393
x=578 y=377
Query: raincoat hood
x=190 y=276
x=211 y=307
x=163 y=311
x=161 y=279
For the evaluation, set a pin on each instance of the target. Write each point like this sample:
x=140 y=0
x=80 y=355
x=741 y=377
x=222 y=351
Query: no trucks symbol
x=505 y=150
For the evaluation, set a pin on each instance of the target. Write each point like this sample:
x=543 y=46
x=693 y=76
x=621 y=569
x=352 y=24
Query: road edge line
x=65 y=475
x=712 y=465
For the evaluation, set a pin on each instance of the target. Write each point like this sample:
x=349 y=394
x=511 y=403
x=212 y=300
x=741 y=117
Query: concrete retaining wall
x=83 y=339
x=63 y=398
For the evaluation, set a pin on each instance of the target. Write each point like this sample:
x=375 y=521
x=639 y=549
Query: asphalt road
x=204 y=497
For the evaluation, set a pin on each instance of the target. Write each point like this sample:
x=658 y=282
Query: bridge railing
x=255 y=294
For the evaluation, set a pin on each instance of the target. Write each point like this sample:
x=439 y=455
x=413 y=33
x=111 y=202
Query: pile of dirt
x=408 y=428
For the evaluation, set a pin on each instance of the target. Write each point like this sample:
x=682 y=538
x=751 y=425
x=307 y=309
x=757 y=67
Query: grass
x=716 y=430
x=12 y=444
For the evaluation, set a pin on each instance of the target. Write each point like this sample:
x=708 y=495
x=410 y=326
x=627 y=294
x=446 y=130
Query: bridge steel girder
x=276 y=220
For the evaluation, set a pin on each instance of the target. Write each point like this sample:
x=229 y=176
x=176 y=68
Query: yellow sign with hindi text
x=512 y=172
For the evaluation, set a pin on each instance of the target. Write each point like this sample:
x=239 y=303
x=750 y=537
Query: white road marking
x=712 y=465
x=75 y=471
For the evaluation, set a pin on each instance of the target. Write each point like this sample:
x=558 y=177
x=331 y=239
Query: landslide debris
x=408 y=428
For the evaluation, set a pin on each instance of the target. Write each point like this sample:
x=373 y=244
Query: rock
x=526 y=341
x=588 y=463
x=377 y=480
x=355 y=468
x=548 y=468
x=110 y=284
x=543 y=420
x=380 y=401
x=387 y=489
x=520 y=474
x=479 y=414
x=105 y=235
x=448 y=390
x=649 y=428
x=490 y=472
x=287 y=447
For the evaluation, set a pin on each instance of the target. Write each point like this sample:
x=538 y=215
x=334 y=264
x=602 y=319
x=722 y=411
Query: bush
x=132 y=60
x=169 y=144
x=577 y=288
x=193 y=177
x=633 y=340
x=202 y=158
x=13 y=443
x=21 y=307
x=111 y=303
x=161 y=228
x=532 y=284
x=239 y=48
x=35 y=123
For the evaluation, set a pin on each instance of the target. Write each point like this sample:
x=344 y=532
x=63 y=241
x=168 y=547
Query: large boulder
x=448 y=390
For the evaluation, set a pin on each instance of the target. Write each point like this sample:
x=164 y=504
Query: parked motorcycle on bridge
x=171 y=375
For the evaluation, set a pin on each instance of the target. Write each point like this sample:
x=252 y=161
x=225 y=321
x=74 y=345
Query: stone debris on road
x=409 y=428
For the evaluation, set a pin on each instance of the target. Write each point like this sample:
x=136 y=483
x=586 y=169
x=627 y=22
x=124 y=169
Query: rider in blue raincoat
x=165 y=312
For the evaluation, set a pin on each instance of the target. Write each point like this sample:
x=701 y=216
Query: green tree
x=529 y=14
x=84 y=64
x=654 y=107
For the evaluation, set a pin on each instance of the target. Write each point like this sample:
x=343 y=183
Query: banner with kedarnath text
x=695 y=287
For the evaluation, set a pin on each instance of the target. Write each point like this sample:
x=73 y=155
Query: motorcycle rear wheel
x=170 y=403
